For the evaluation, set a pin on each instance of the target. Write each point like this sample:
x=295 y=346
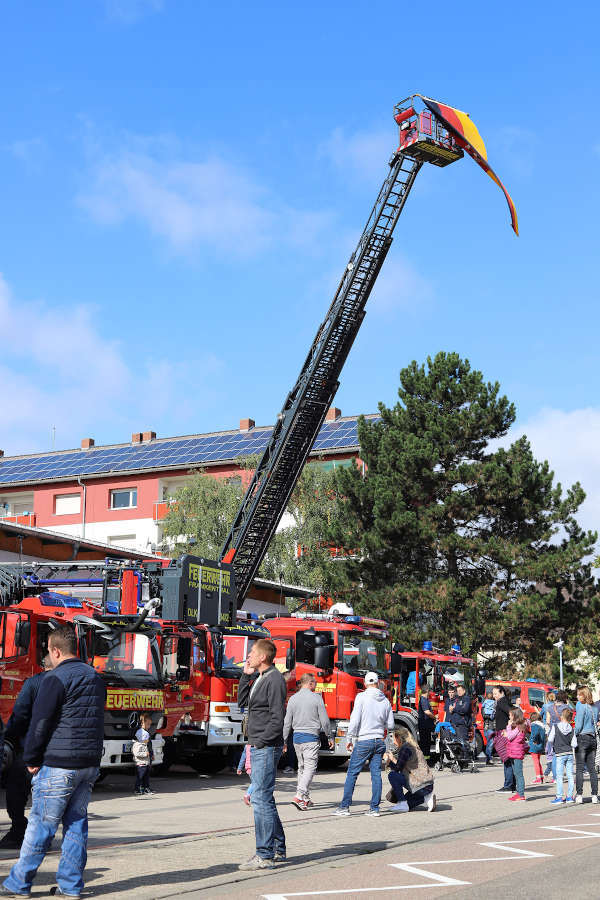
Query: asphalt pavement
x=188 y=840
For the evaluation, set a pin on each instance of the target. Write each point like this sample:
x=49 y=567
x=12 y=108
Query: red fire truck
x=432 y=670
x=530 y=694
x=123 y=649
x=339 y=650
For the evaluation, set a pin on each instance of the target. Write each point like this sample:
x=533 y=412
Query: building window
x=123 y=499
x=129 y=541
x=67 y=504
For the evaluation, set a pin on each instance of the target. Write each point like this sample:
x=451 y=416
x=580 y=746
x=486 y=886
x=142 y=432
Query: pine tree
x=461 y=541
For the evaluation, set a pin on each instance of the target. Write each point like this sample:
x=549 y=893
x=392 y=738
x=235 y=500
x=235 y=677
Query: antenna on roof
x=53 y=436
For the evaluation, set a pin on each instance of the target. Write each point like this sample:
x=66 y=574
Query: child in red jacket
x=516 y=733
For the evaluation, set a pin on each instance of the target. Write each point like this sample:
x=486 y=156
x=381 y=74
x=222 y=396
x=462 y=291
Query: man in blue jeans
x=371 y=717
x=263 y=691
x=62 y=751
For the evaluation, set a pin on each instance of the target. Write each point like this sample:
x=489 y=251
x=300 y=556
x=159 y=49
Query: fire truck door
x=200 y=678
x=16 y=662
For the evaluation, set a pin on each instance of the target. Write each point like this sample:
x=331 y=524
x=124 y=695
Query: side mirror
x=325 y=657
x=23 y=634
x=289 y=659
x=396 y=663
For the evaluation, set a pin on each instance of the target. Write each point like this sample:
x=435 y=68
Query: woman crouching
x=411 y=778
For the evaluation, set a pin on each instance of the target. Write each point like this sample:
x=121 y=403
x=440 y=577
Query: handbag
x=501 y=745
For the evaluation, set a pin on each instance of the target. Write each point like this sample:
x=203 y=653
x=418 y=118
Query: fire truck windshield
x=123 y=657
x=362 y=654
x=232 y=652
x=459 y=674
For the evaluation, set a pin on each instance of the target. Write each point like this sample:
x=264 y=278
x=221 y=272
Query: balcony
x=25 y=519
x=161 y=508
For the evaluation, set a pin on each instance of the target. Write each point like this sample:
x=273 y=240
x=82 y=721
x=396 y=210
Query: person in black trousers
x=17 y=778
x=503 y=708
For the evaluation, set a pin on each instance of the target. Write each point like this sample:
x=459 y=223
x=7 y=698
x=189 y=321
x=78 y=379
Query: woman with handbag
x=410 y=777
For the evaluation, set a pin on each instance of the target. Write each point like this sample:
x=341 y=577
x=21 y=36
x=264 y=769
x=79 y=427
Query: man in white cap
x=371 y=718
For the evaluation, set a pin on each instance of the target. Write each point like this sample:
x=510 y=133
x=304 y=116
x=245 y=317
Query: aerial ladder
x=435 y=135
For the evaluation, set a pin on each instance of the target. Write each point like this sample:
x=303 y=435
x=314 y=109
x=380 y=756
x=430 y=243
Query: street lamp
x=559 y=645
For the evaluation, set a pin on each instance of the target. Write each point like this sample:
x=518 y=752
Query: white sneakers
x=594 y=798
x=399 y=807
x=430 y=802
x=578 y=799
x=341 y=811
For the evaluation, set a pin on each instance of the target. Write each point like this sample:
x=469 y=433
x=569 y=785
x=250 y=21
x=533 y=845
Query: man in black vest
x=18 y=779
x=62 y=751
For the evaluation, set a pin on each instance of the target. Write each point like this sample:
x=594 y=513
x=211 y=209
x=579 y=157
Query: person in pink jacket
x=516 y=733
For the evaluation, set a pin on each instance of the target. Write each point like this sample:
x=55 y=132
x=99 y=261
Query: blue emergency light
x=427 y=646
x=456 y=649
x=51 y=598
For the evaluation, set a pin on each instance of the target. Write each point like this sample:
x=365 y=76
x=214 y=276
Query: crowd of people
x=56 y=729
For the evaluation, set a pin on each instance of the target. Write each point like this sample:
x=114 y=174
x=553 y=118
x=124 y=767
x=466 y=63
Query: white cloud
x=130 y=11
x=190 y=204
x=58 y=370
x=569 y=441
x=366 y=152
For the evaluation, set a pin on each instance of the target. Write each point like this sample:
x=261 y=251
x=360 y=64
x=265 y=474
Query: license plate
x=127 y=747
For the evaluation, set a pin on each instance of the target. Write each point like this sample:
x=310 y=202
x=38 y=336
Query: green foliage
x=202 y=511
x=460 y=540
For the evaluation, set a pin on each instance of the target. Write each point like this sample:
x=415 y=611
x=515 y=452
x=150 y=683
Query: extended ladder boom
x=305 y=408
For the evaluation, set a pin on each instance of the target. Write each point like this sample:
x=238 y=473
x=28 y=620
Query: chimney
x=86 y=443
x=333 y=413
x=149 y=436
x=247 y=424
x=136 y=437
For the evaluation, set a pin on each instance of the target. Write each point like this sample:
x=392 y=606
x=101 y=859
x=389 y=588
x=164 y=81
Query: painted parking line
x=513 y=850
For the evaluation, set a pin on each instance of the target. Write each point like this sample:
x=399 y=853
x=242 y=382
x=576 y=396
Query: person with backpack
x=516 y=734
x=488 y=712
x=553 y=717
x=562 y=736
x=537 y=745
x=503 y=710
x=586 y=720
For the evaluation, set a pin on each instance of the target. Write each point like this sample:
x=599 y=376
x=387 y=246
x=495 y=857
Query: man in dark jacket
x=262 y=691
x=461 y=717
x=18 y=779
x=63 y=748
x=503 y=709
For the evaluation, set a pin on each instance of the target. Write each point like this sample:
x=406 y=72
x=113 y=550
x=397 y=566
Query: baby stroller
x=451 y=751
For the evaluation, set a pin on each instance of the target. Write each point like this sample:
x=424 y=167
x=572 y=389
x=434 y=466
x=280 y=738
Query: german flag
x=467 y=136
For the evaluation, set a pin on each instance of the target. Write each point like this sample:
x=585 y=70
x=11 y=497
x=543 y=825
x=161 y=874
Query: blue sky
x=182 y=184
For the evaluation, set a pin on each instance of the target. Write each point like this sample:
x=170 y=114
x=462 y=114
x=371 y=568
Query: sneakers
x=309 y=804
x=299 y=803
x=256 y=862
x=578 y=799
x=502 y=790
x=279 y=857
x=488 y=762
x=558 y=801
x=516 y=798
x=5 y=892
x=398 y=807
x=570 y=800
x=288 y=770
x=430 y=802
x=538 y=780
x=246 y=799
x=149 y=792
x=372 y=812
x=551 y=780
x=139 y=792
x=56 y=892
x=341 y=811
x=594 y=798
